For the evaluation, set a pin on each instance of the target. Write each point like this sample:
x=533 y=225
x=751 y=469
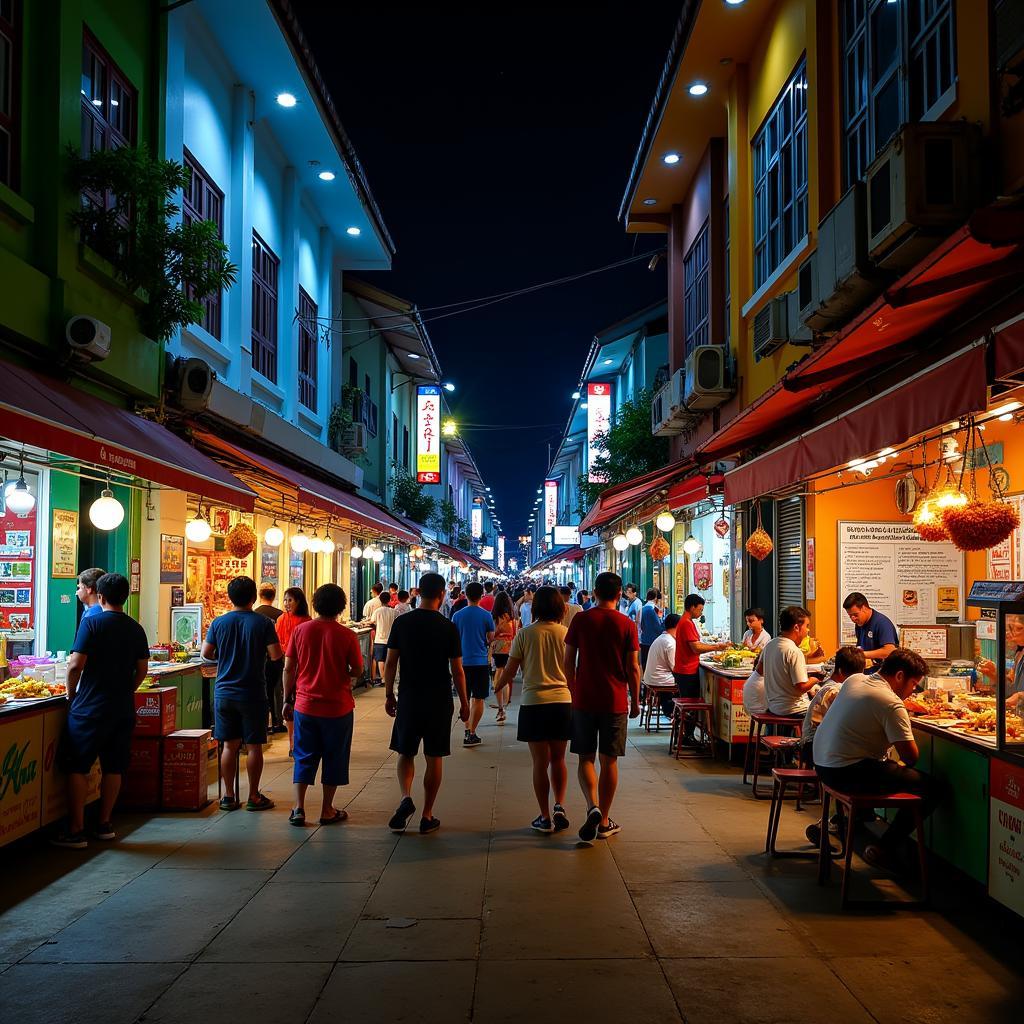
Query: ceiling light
x=449 y=386
x=733 y=3
x=691 y=545
x=698 y=89
x=575 y=396
x=671 y=158
x=634 y=535
x=665 y=522
x=329 y=545
x=619 y=542
x=20 y=500
x=274 y=537
x=286 y=99
x=412 y=355
x=106 y=512
x=300 y=542
x=356 y=551
x=326 y=175
x=650 y=201
x=197 y=529
x=583 y=405
x=354 y=232
x=1003 y=412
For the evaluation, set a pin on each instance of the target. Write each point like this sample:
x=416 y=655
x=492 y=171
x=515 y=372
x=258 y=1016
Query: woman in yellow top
x=545 y=713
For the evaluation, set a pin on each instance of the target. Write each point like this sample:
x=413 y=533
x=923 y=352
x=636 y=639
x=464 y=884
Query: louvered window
x=264 y=309
x=10 y=98
x=789 y=551
x=695 y=297
x=307 y=350
x=202 y=200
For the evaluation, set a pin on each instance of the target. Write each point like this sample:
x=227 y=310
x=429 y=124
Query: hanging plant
x=659 y=549
x=759 y=545
x=241 y=541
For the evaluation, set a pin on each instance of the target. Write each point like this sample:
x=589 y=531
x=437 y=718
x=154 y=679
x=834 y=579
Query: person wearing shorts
x=602 y=669
x=109 y=659
x=426 y=646
x=476 y=631
x=504 y=617
x=322 y=660
x=545 y=714
x=381 y=616
x=240 y=642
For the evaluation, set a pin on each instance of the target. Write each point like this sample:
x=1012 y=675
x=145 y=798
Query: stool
x=783 y=777
x=238 y=771
x=701 y=709
x=758 y=723
x=854 y=802
x=652 y=703
x=776 y=746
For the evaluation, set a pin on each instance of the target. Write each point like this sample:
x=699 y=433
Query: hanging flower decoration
x=759 y=545
x=659 y=549
x=241 y=541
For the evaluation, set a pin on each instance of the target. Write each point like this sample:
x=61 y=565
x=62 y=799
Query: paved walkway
x=215 y=916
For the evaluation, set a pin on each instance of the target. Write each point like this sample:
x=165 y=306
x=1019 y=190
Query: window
x=899 y=61
x=695 y=294
x=264 y=309
x=780 y=178
x=307 y=350
x=366 y=383
x=10 y=69
x=109 y=108
x=789 y=551
x=202 y=200
x=405 y=447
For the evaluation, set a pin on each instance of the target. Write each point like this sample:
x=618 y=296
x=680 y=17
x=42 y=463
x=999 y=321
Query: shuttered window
x=10 y=98
x=264 y=309
x=307 y=350
x=789 y=551
x=202 y=200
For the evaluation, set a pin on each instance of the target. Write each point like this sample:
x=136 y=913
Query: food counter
x=722 y=688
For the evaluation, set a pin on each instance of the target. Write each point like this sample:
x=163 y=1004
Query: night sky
x=498 y=146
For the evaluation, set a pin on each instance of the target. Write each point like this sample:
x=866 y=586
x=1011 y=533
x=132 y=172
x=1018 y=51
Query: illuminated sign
x=501 y=551
x=477 y=521
x=428 y=444
x=599 y=415
x=513 y=564
x=566 y=535
x=550 y=504
x=487 y=553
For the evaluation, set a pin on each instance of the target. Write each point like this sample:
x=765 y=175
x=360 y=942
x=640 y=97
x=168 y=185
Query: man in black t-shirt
x=109 y=659
x=426 y=645
x=272 y=670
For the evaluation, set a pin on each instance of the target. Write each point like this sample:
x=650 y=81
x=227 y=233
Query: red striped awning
x=621 y=499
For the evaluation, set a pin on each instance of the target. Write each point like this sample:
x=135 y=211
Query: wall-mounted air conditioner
x=771 y=327
x=663 y=416
x=705 y=386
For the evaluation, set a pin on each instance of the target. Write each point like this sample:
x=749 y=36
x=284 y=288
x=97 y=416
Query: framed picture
x=220 y=520
x=268 y=564
x=187 y=625
x=172 y=558
x=177 y=597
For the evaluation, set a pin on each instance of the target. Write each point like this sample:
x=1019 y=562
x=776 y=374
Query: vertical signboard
x=550 y=505
x=599 y=415
x=501 y=552
x=428 y=445
x=1006 y=835
x=477 y=519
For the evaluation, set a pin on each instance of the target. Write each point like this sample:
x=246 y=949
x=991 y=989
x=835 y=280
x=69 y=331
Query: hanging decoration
x=927 y=518
x=703 y=575
x=759 y=545
x=721 y=527
x=241 y=541
x=659 y=549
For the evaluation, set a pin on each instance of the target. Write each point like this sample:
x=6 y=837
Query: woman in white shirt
x=756 y=636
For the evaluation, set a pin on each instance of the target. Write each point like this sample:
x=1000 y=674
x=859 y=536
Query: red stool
x=853 y=803
x=775 y=746
x=758 y=723
x=783 y=777
x=702 y=710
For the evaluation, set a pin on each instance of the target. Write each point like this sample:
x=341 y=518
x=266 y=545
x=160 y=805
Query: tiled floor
x=678 y=918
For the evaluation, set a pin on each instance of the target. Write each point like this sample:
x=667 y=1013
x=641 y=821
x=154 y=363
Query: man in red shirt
x=321 y=661
x=602 y=668
x=689 y=648
x=487 y=601
x=393 y=595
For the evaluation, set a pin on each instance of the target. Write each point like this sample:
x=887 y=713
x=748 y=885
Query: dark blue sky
x=498 y=146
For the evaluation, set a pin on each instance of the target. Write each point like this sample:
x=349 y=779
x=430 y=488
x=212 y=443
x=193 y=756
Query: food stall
x=721 y=678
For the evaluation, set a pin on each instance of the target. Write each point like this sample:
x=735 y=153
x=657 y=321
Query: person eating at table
x=756 y=637
x=786 y=681
x=876 y=635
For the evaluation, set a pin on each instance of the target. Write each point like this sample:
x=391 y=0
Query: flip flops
x=338 y=817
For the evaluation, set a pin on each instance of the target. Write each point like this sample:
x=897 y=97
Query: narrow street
x=679 y=917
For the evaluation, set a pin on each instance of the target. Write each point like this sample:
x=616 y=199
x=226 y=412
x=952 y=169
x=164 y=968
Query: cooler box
x=156 y=711
x=185 y=760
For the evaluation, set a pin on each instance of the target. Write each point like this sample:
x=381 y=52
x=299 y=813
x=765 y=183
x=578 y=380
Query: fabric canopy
x=622 y=498
x=465 y=557
x=314 y=493
x=49 y=414
x=952 y=388
x=1008 y=358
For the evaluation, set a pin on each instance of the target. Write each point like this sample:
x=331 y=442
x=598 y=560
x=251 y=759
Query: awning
x=49 y=414
x=465 y=558
x=1008 y=353
x=622 y=498
x=955 y=386
x=693 y=489
x=343 y=506
x=569 y=555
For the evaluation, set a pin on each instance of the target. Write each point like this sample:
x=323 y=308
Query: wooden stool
x=758 y=723
x=652 y=704
x=775 y=746
x=783 y=777
x=852 y=803
x=702 y=710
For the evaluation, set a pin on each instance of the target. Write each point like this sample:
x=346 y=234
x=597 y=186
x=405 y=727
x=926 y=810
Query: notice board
x=910 y=580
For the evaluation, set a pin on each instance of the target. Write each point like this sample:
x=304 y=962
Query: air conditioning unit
x=705 y=377
x=846 y=279
x=771 y=327
x=663 y=415
x=798 y=333
x=353 y=439
x=88 y=337
x=193 y=382
x=926 y=180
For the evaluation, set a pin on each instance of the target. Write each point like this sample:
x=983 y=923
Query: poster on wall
x=64 y=550
x=268 y=564
x=172 y=558
x=810 y=571
x=223 y=569
x=1006 y=834
x=187 y=625
x=910 y=580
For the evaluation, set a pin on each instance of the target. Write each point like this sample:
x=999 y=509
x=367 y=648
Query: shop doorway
x=760 y=576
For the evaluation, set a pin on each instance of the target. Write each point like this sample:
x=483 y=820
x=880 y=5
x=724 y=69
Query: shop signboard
x=477 y=520
x=1006 y=834
x=428 y=445
x=566 y=535
x=64 y=544
x=501 y=552
x=599 y=416
x=21 y=775
x=172 y=558
x=487 y=553
x=810 y=571
x=550 y=505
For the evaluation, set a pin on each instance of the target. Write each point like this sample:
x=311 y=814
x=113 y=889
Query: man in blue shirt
x=109 y=658
x=876 y=635
x=476 y=631
x=651 y=617
x=86 y=591
x=240 y=642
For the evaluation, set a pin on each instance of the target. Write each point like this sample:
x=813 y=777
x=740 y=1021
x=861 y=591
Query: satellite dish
x=907 y=493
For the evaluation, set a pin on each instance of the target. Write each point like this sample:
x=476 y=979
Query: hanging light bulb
x=316 y=545
x=635 y=535
x=424 y=566
x=665 y=522
x=691 y=545
x=356 y=551
x=274 y=537
x=329 y=545
x=20 y=500
x=619 y=542
x=300 y=541
x=107 y=513
x=378 y=555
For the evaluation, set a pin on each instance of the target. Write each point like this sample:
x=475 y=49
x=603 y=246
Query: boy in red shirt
x=602 y=667
x=322 y=659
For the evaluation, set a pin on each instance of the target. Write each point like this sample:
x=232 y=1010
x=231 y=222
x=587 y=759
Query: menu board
x=910 y=580
x=1006 y=834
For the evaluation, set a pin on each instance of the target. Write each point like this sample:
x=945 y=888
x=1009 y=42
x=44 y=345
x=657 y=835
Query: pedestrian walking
x=571 y=609
x=459 y=600
x=526 y=607
x=272 y=669
x=545 y=714
x=381 y=619
x=296 y=611
x=426 y=646
x=319 y=666
x=476 y=631
x=504 y=632
x=374 y=599
x=109 y=658
x=602 y=669
x=240 y=642
x=393 y=595
x=487 y=601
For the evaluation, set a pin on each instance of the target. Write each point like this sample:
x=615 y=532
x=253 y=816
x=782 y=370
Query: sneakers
x=559 y=818
x=500 y=717
x=428 y=825
x=588 y=830
x=400 y=819
x=104 y=830
x=607 y=831
x=542 y=824
x=259 y=802
x=472 y=740
x=70 y=840
x=229 y=803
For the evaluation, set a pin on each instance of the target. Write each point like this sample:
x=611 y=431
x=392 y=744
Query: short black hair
x=403 y=595
x=693 y=601
x=377 y=587
x=792 y=616
x=90 y=577
x=329 y=600
x=757 y=613
x=268 y=591
x=850 y=660
x=631 y=586
x=113 y=588
x=432 y=586
x=242 y=591
x=548 y=605
x=584 y=592
x=565 y=591
x=488 y=586
x=385 y=600
x=910 y=663
x=653 y=595
x=393 y=586
x=855 y=600
x=474 y=591
x=672 y=620
x=607 y=586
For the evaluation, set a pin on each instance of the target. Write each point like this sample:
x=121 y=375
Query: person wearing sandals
x=545 y=713
x=240 y=642
x=296 y=612
x=322 y=659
